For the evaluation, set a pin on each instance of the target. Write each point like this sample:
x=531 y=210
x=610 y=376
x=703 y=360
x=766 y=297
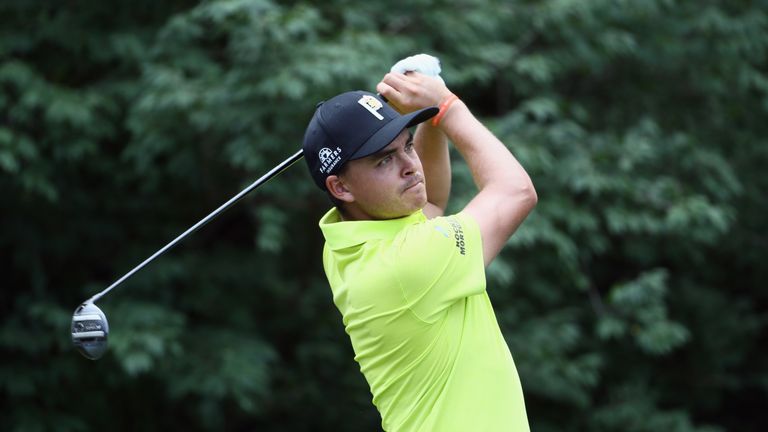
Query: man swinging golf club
x=408 y=280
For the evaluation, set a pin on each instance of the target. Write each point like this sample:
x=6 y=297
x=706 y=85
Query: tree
x=631 y=298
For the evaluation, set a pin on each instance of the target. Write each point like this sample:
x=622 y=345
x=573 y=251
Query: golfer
x=409 y=280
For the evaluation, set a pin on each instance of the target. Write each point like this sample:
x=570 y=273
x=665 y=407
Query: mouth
x=413 y=184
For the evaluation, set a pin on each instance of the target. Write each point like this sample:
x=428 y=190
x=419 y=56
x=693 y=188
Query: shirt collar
x=343 y=234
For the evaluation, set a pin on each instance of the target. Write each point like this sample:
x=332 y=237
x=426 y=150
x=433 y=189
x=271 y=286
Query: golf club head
x=90 y=331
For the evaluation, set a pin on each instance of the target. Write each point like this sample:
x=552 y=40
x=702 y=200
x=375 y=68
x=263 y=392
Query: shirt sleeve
x=440 y=262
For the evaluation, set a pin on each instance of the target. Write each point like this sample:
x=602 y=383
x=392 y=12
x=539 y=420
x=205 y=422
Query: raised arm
x=432 y=148
x=505 y=192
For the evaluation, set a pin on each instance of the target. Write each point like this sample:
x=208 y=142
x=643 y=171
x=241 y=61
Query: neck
x=349 y=213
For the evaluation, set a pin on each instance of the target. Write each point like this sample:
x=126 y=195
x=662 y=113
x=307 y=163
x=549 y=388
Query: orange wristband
x=444 y=105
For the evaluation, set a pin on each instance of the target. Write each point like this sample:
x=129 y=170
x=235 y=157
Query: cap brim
x=388 y=133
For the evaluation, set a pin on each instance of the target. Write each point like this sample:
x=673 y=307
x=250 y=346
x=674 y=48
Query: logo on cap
x=372 y=104
x=324 y=154
x=328 y=158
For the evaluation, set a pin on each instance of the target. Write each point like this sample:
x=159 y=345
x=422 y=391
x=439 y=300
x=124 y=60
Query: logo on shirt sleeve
x=442 y=231
x=458 y=235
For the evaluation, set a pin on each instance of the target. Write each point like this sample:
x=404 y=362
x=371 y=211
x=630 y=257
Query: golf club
x=89 y=324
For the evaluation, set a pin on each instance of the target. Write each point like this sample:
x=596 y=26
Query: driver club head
x=90 y=331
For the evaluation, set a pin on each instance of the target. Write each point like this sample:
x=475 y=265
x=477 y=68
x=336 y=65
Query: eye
x=384 y=161
x=409 y=146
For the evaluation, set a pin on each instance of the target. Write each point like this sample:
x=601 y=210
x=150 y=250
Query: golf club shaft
x=263 y=179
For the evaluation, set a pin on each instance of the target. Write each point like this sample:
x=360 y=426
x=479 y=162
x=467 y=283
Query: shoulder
x=437 y=240
x=440 y=231
x=439 y=262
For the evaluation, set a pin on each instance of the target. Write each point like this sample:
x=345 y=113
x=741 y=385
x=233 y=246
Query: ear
x=338 y=189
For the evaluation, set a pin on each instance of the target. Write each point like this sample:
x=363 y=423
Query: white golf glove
x=422 y=63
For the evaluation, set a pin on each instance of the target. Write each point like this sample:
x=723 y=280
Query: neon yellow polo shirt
x=411 y=292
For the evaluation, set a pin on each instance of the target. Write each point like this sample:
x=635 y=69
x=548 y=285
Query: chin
x=422 y=201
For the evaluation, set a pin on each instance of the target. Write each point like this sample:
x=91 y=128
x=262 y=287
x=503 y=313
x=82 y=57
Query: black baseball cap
x=351 y=126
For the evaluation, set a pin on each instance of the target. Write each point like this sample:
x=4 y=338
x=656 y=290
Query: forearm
x=432 y=147
x=491 y=163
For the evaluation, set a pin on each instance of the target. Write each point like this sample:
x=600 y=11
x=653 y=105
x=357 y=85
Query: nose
x=410 y=164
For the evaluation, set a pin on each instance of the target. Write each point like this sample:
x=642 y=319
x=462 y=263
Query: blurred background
x=633 y=298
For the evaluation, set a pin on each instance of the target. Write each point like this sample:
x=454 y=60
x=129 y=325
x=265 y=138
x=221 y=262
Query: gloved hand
x=413 y=83
x=422 y=63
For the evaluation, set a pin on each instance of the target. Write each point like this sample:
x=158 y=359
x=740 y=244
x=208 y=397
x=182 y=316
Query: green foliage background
x=633 y=298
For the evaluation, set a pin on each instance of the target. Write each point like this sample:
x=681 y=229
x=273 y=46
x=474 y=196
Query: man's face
x=387 y=184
